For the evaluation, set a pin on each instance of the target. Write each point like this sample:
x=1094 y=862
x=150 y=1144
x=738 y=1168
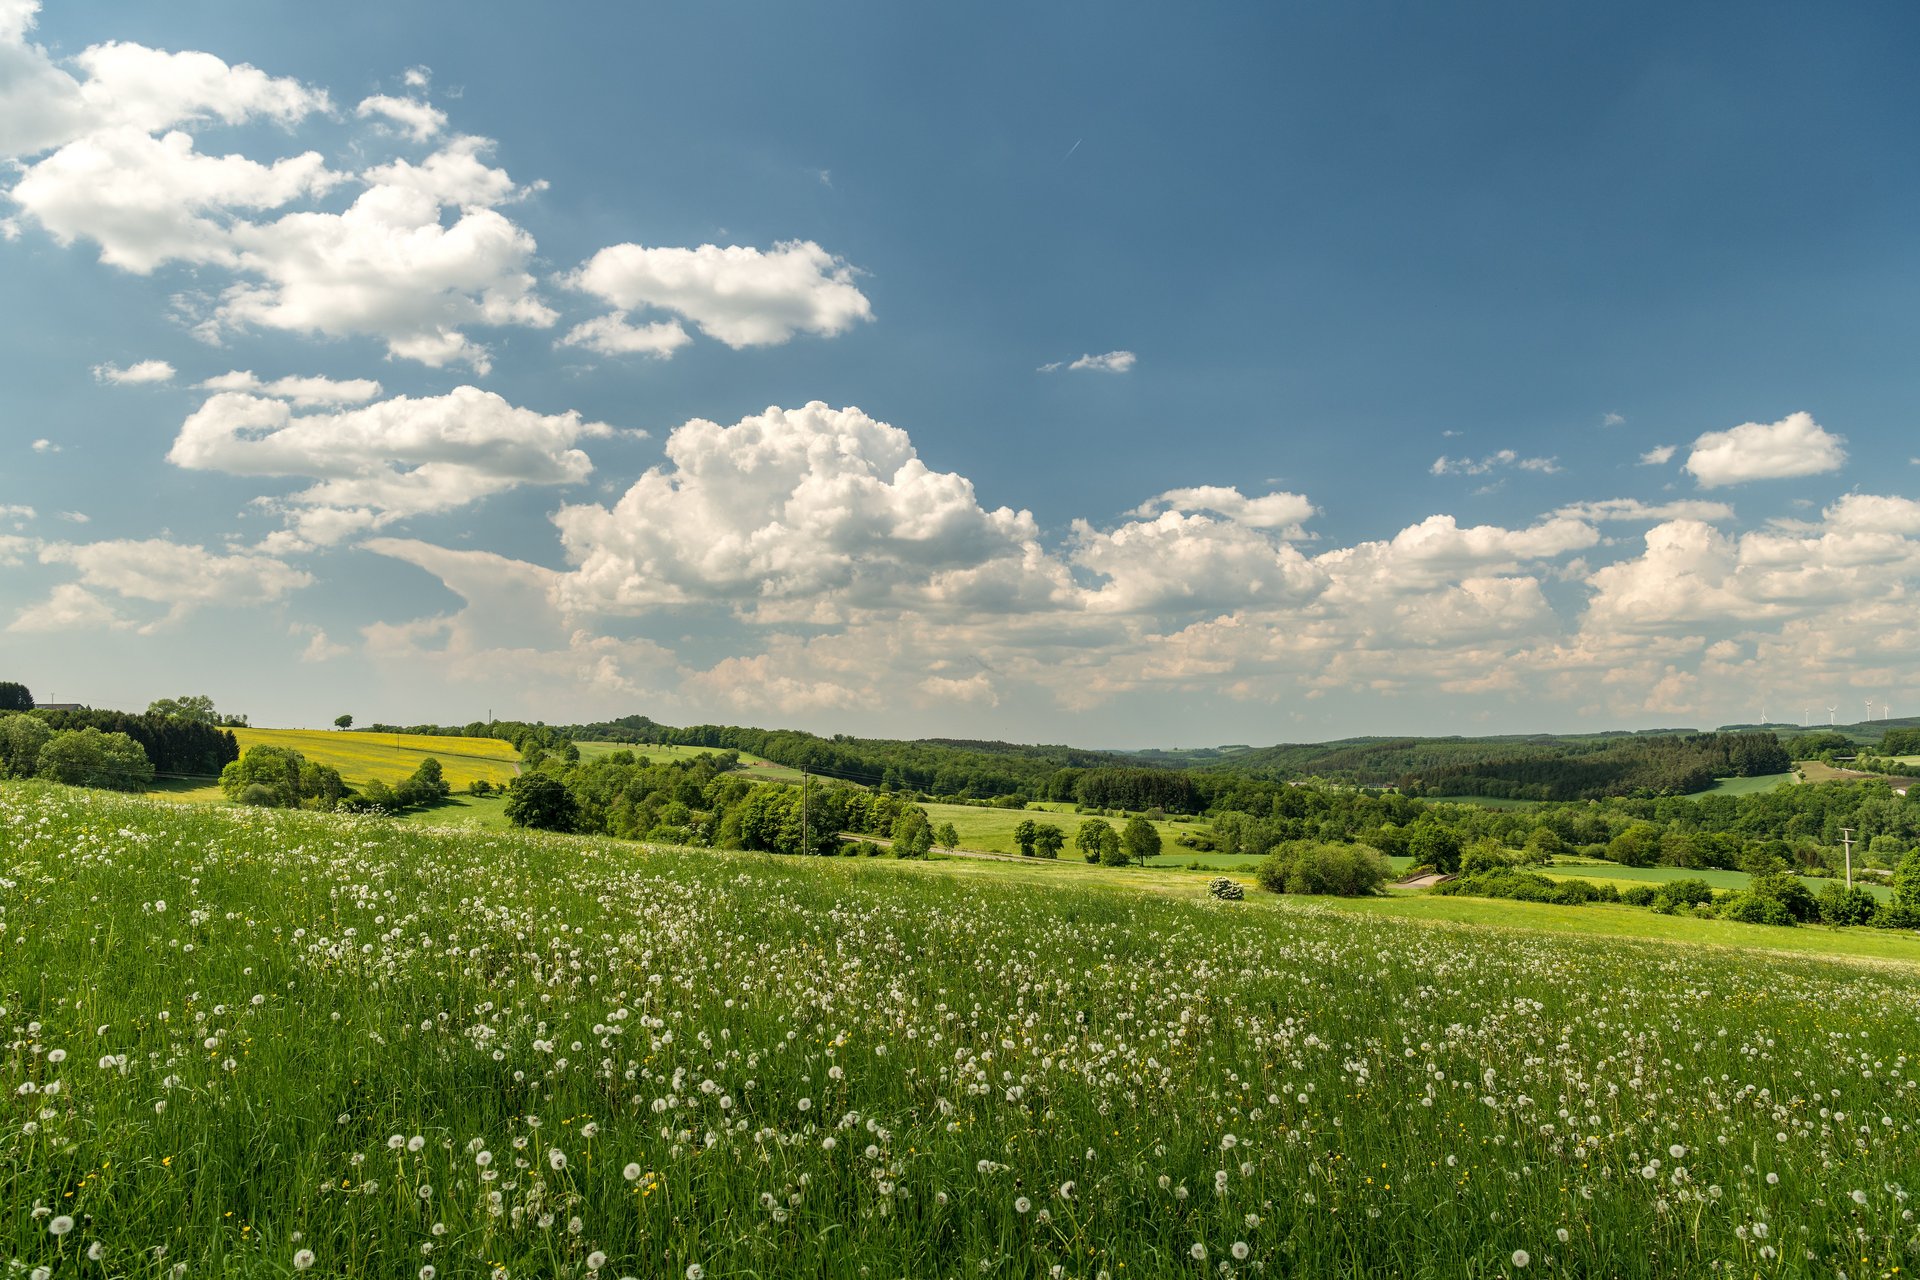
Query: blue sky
x=1092 y=373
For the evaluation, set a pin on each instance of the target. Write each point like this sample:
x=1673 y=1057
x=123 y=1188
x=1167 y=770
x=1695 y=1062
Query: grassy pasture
x=391 y=757
x=259 y=1040
x=991 y=830
x=1746 y=786
x=1623 y=877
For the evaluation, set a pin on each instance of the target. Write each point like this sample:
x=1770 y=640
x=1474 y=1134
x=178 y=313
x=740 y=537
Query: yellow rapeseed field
x=390 y=757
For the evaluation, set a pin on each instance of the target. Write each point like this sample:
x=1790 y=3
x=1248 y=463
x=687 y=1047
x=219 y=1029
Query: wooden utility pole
x=806 y=828
x=1846 y=838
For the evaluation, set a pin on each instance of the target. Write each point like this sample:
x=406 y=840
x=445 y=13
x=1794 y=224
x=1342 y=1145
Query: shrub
x=1314 y=867
x=1640 y=895
x=1906 y=881
x=1840 y=905
x=1786 y=889
x=1753 y=908
x=1689 y=892
x=1526 y=886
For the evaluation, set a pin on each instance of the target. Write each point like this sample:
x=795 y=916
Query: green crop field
x=991 y=830
x=250 y=1042
x=1621 y=877
x=391 y=757
x=1746 y=786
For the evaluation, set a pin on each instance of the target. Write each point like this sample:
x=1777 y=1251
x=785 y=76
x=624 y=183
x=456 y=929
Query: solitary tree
x=14 y=697
x=1023 y=836
x=1047 y=839
x=1091 y=838
x=343 y=722
x=947 y=836
x=1435 y=844
x=912 y=837
x=1141 y=840
x=539 y=801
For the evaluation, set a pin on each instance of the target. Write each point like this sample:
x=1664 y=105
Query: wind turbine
x=1804 y=713
x=1869 y=708
x=1830 y=711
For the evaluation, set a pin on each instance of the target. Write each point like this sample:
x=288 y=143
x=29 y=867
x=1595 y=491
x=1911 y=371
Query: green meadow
x=256 y=1042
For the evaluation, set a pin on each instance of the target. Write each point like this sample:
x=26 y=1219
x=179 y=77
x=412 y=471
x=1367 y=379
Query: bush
x=1892 y=915
x=1840 y=905
x=1640 y=895
x=1313 y=867
x=1786 y=889
x=1683 y=893
x=1753 y=908
x=1526 y=886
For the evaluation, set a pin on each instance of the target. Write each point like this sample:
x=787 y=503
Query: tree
x=14 y=696
x=426 y=786
x=1434 y=844
x=1906 y=882
x=1023 y=835
x=1112 y=852
x=90 y=758
x=289 y=780
x=1048 y=839
x=912 y=837
x=947 y=836
x=1141 y=840
x=541 y=802
x=21 y=737
x=343 y=722
x=1091 y=839
x=194 y=708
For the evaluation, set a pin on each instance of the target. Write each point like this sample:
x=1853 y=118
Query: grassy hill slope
x=551 y=1055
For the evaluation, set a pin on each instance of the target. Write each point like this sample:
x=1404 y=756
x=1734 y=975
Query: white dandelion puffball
x=1199 y=1251
x=1521 y=1258
x=60 y=1225
x=596 y=1260
x=302 y=1260
x=631 y=1173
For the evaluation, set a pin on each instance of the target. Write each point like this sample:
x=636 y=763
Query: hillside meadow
x=244 y=1041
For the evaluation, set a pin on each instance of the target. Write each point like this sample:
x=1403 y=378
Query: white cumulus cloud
x=420 y=120
x=1272 y=511
x=141 y=372
x=1794 y=446
x=788 y=505
x=385 y=461
x=305 y=392
x=740 y=295
x=180 y=576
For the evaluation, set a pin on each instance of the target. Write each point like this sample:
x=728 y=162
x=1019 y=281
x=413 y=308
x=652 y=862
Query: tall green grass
x=239 y=1041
